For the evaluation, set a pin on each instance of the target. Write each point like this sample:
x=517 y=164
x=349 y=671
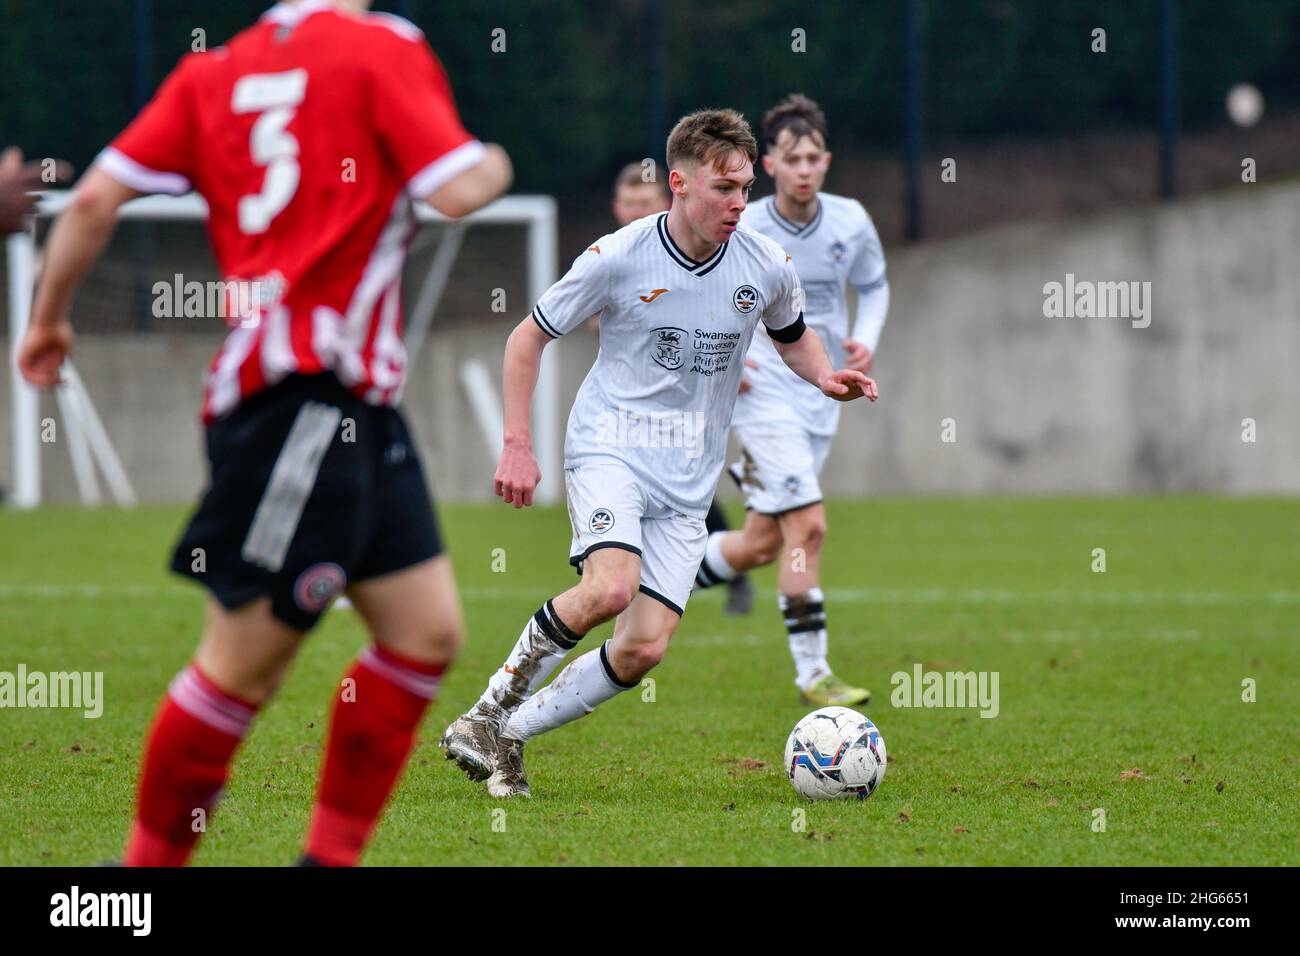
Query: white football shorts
x=779 y=466
x=610 y=508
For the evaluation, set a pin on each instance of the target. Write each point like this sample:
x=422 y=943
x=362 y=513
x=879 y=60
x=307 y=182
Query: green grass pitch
x=1141 y=667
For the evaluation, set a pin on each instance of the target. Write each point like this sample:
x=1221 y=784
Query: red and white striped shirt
x=308 y=134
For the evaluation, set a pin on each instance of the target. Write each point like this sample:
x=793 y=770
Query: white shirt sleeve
x=868 y=277
x=785 y=305
x=580 y=293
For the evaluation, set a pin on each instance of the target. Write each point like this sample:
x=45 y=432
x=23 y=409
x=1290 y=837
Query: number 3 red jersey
x=308 y=134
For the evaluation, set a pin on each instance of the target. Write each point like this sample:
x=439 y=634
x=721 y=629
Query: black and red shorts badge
x=318 y=586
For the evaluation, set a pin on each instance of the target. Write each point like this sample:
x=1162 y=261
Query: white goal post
x=88 y=441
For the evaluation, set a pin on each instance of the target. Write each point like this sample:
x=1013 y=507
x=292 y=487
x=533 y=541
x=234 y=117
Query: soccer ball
x=835 y=753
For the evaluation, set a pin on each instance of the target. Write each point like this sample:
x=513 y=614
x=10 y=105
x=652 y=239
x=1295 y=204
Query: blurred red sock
x=371 y=735
x=187 y=757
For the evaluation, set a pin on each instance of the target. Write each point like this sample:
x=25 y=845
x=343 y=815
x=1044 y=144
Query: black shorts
x=310 y=489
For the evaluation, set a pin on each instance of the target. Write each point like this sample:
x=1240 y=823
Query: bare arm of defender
x=517 y=473
x=807 y=358
x=77 y=238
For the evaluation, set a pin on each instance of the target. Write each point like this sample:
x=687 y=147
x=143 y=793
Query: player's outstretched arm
x=807 y=357
x=517 y=473
x=475 y=187
x=76 y=240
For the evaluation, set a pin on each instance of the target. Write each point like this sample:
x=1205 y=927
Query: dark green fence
x=574 y=93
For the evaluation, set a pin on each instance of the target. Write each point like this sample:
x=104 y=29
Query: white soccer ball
x=835 y=753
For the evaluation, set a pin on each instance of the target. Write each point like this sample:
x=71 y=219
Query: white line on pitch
x=841 y=595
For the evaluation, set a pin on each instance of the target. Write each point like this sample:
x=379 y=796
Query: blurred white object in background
x=1245 y=104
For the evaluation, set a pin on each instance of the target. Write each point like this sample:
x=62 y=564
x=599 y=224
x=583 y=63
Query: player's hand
x=858 y=356
x=848 y=384
x=745 y=383
x=17 y=181
x=42 y=352
x=517 y=475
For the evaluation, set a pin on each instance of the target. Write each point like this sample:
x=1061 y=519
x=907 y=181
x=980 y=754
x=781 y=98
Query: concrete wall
x=1040 y=405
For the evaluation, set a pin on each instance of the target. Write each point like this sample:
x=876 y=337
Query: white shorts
x=779 y=466
x=610 y=508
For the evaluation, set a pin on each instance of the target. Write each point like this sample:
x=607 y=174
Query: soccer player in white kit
x=636 y=197
x=785 y=428
x=680 y=294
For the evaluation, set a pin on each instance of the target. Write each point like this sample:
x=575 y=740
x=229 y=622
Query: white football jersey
x=673 y=335
x=838 y=246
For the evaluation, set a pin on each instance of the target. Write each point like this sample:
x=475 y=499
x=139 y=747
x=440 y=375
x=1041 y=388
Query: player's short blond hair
x=709 y=136
x=798 y=114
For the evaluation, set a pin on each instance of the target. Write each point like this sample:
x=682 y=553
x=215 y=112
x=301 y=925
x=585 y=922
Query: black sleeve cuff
x=791 y=333
x=542 y=322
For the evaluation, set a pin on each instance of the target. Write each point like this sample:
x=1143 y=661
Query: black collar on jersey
x=692 y=266
x=805 y=230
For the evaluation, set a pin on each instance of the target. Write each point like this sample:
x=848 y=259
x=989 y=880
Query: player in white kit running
x=680 y=294
x=785 y=427
x=637 y=194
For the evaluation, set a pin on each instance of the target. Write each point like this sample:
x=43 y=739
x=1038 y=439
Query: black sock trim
x=540 y=619
x=609 y=671
x=570 y=635
x=803 y=616
x=704 y=577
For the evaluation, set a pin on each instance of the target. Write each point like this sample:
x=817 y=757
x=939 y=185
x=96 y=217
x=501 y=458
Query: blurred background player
x=636 y=197
x=680 y=295
x=785 y=427
x=315 y=485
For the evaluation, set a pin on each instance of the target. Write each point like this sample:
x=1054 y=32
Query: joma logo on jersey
x=666 y=347
x=654 y=294
x=745 y=299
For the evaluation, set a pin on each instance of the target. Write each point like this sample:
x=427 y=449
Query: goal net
x=123 y=425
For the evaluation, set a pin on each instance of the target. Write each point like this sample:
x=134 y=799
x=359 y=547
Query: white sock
x=805 y=621
x=579 y=688
x=541 y=646
x=714 y=569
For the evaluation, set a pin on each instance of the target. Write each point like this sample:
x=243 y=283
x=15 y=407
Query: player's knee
x=767 y=546
x=255 y=685
x=611 y=596
x=428 y=637
x=641 y=658
x=808 y=532
x=443 y=641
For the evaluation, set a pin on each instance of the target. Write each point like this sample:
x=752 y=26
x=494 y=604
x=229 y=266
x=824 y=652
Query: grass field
x=1100 y=673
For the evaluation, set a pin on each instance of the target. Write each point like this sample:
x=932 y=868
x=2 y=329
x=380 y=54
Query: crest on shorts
x=666 y=347
x=318 y=586
x=602 y=519
x=745 y=299
x=792 y=484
